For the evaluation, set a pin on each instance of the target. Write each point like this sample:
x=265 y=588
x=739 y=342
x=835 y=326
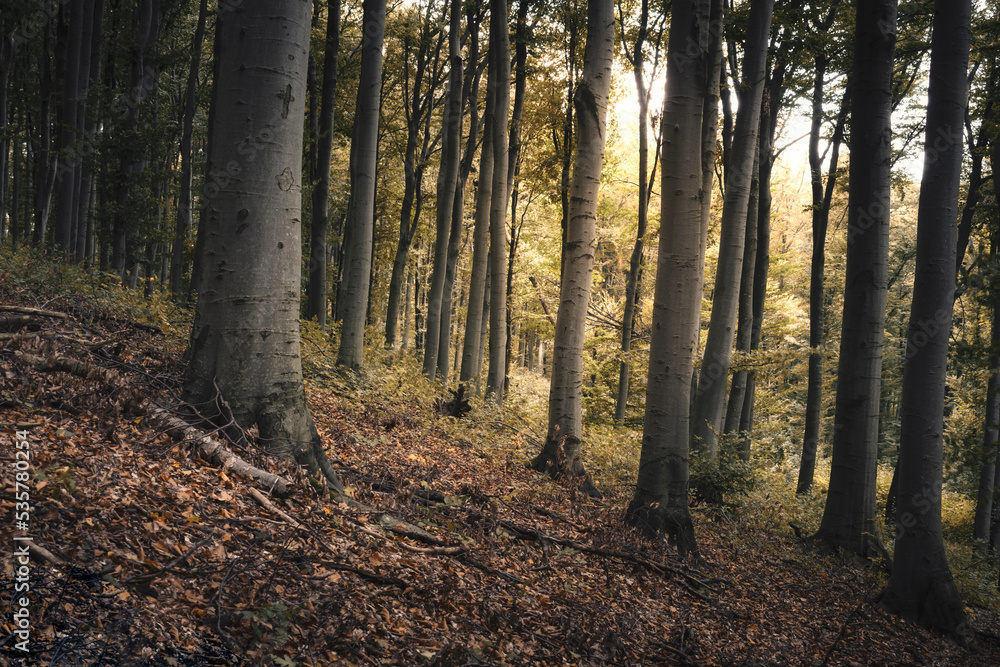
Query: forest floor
x=155 y=556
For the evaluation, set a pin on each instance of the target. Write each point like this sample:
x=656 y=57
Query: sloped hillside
x=147 y=551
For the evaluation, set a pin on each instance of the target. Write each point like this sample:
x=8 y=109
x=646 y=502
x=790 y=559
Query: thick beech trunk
x=470 y=103
x=245 y=340
x=849 y=515
x=660 y=503
x=361 y=210
x=921 y=587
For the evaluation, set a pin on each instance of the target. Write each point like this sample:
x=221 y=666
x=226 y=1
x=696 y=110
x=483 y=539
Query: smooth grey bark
x=660 y=502
x=317 y=292
x=500 y=53
x=821 y=200
x=447 y=184
x=711 y=394
x=637 y=58
x=744 y=323
x=849 y=515
x=361 y=210
x=183 y=221
x=470 y=101
x=245 y=339
x=513 y=170
x=472 y=353
x=921 y=586
x=561 y=453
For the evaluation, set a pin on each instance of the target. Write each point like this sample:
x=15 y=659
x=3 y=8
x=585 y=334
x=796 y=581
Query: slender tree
x=711 y=393
x=637 y=58
x=451 y=153
x=419 y=100
x=318 y=293
x=660 y=503
x=470 y=102
x=500 y=54
x=361 y=210
x=561 y=453
x=849 y=514
x=183 y=222
x=821 y=200
x=245 y=339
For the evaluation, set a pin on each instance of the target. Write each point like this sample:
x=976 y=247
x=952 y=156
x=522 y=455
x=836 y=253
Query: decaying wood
x=32 y=311
x=59 y=364
x=432 y=551
x=216 y=452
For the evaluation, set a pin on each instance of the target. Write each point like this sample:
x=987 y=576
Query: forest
x=430 y=332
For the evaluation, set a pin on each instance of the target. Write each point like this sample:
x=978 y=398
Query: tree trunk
x=820 y=218
x=6 y=58
x=660 y=503
x=474 y=321
x=470 y=102
x=85 y=190
x=849 y=515
x=447 y=184
x=561 y=454
x=45 y=172
x=142 y=82
x=183 y=222
x=987 y=490
x=66 y=162
x=317 y=293
x=245 y=340
x=921 y=587
x=744 y=325
x=500 y=50
x=361 y=210
x=710 y=399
